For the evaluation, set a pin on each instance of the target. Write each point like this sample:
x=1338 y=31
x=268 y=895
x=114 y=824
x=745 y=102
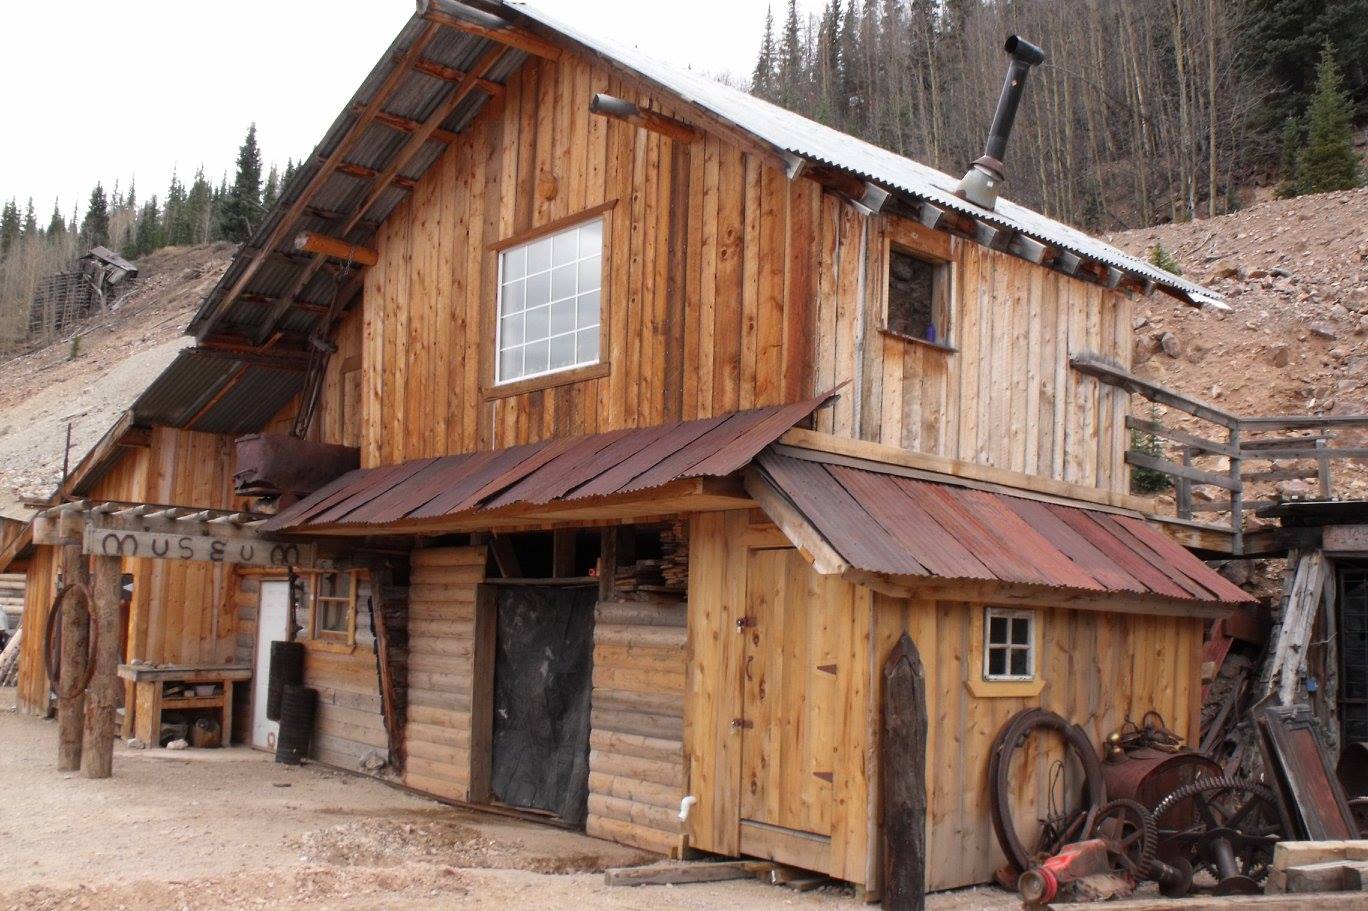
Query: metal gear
x=1225 y=825
x=1128 y=826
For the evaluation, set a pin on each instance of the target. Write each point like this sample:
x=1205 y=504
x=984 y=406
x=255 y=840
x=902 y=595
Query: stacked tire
x=287 y=669
x=298 y=708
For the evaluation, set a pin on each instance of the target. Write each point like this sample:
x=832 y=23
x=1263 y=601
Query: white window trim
x=499 y=380
x=989 y=613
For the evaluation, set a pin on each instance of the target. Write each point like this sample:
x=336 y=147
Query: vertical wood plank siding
x=182 y=613
x=31 y=693
x=726 y=286
x=1098 y=669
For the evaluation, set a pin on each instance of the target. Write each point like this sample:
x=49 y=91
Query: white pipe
x=685 y=805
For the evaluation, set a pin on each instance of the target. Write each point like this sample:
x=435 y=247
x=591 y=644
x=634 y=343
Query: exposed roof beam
x=406 y=125
x=451 y=74
x=627 y=112
x=286 y=224
x=276 y=360
x=217 y=396
x=382 y=181
x=336 y=247
x=361 y=172
x=474 y=22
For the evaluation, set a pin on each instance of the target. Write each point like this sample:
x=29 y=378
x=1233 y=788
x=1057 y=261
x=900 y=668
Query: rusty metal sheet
x=885 y=522
x=545 y=472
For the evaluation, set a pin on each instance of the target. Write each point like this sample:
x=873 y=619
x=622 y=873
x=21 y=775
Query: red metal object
x=902 y=526
x=1040 y=885
x=271 y=464
x=1147 y=775
x=618 y=462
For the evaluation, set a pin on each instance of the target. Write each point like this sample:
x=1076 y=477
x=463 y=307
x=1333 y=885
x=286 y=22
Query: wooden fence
x=1241 y=457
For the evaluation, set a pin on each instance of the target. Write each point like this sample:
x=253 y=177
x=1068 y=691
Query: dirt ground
x=215 y=829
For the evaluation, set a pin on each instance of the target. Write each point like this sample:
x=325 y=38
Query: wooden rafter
x=217 y=397
x=382 y=181
x=451 y=74
x=336 y=247
x=345 y=145
x=450 y=15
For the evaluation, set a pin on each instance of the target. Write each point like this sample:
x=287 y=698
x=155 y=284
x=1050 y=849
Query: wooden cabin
x=675 y=411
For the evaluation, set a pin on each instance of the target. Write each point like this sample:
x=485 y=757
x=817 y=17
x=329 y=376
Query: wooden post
x=75 y=655
x=98 y=758
x=902 y=770
x=1236 y=496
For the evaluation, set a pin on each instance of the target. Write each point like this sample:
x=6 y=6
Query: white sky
x=101 y=90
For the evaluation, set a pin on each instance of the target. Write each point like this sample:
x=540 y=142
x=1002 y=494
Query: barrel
x=287 y=669
x=298 y=706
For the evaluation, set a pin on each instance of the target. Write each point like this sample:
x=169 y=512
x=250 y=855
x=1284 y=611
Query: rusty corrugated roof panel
x=885 y=523
x=560 y=470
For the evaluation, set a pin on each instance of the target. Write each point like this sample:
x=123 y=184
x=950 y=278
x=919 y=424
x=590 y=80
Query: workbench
x=150 y=682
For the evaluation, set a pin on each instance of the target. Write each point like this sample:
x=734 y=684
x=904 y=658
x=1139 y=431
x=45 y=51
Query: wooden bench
x=142 y=719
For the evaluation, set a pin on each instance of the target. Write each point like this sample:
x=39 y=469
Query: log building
x=671 y=413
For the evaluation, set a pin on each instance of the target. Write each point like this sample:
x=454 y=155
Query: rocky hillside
x=1295 y=273
x=88 y=378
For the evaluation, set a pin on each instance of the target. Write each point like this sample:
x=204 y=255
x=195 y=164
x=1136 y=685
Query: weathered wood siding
x=1098 y=669
x=726 y=286
x=350 y=728
x=31 y=694
x=636 y=739
x=443 y=590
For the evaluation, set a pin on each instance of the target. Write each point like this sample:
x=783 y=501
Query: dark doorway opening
x=542 y=680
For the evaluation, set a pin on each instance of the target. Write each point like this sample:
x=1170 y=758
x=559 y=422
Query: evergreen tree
x=131 y=203
x=1287 y=39
x=762 y=79
x=95 y=226
x=175 y=227
x=791 y=60
x=271 y=192
x=56 y=225
x=1162 y=258
x=9 y=227
x=290 y=169
x=148 y=236
x=1328 y=162
x=240 y=212
x=30 y=222
x=199 y=211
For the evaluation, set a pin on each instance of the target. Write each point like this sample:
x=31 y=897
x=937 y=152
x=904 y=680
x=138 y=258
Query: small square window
x=918 y=296
x=331 y=600
x=1009 y=644
x=549 y=303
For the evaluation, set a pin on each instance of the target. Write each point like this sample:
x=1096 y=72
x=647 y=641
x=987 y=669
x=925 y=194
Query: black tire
x=287 y=669
x=298 y=708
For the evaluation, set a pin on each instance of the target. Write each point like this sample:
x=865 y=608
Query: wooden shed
x=675 y=412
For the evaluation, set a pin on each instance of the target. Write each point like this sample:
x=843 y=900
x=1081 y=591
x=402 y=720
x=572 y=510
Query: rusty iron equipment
x=1227 y=826
x=276 y=465
x=1148 y=775
x=1066 y=823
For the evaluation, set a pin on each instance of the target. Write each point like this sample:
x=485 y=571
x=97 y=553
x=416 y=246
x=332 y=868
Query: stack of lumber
x=636 y=743
x=668 y=575
x=441 y=669
x=1319 y=866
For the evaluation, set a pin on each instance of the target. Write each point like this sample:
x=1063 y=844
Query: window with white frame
x=1009 y=644
x=550 y=292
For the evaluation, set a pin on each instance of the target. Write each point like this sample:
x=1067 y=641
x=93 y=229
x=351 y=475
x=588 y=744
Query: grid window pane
x=550 y=303
x=997 y=630
x=1009 y=644
x=997 y=662
x=1020 y=662
x=1021 y=631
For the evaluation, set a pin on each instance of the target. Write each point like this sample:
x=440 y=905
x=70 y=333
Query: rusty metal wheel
x=1060 y=828
x=1228 y=827
x=1129 y=830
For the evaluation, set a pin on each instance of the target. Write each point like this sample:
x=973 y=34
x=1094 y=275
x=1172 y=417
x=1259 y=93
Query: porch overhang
x=910 y=536
x=619 y=476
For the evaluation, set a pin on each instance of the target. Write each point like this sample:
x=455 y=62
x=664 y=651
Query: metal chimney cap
x=1024 y=50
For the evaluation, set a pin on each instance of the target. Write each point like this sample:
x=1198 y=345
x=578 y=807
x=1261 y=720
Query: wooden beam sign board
x=1345 y=539
x=109 y=542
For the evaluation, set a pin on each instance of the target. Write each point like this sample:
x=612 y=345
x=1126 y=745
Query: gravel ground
x=215 y=829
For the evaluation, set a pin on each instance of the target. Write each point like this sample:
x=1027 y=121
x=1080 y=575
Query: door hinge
x=741 y=724
x=746 y=623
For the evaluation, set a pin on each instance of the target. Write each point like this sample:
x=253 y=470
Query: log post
x=902 y=770
x=75 y=655
x=104 y=684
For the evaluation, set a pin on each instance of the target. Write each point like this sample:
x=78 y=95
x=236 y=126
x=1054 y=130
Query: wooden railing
x=1281 y=448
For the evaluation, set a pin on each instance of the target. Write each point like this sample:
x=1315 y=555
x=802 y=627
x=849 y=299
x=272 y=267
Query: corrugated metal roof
x=554 y=471
x=216 y=394
x=790 y=132
x=899 y=526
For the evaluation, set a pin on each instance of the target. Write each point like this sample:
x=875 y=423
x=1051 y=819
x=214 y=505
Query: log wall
x=443 y=590
x=32 y=692
x=726 y=286
x=636 y=739
x=1097 y=670
x=350 y=730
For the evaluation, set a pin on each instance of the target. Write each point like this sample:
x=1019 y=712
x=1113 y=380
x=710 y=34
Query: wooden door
x=795 y=632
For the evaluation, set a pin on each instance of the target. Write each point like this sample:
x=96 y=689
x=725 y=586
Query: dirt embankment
x=89 y=379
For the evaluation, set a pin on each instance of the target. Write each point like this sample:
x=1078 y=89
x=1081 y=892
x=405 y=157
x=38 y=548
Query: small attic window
x=918 y=298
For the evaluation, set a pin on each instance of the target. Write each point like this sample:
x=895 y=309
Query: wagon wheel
x=1131 y=836
x=1058 y=830
x=1227 y=826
